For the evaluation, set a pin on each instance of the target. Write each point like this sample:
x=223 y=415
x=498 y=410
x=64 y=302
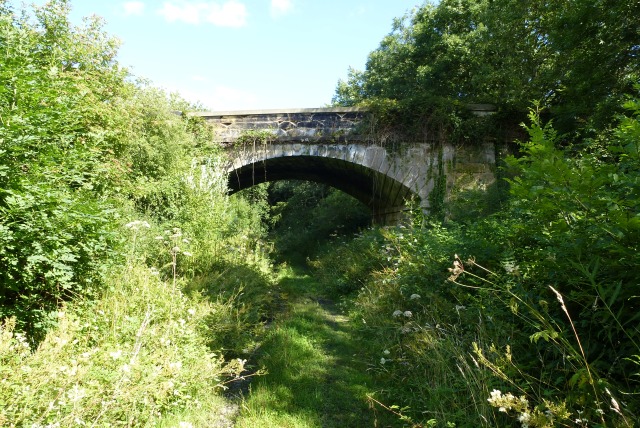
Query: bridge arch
x=384 y=195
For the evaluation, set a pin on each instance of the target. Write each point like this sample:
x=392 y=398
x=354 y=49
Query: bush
x=56 y=237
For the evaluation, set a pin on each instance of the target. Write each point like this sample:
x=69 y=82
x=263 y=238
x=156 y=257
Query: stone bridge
x=333 y=146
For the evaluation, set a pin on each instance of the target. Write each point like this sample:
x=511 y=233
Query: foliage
x=305 y=215
x=439 y=58
x=584 y=210
x=131 y=358
x=56 y=230
x=549 y=316
x=95 y=328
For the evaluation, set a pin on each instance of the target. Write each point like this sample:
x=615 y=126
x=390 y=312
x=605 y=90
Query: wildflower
x=414 y=296
x=115 y=355
x=175 y=249
x=175 y=366
x=382 y=361
x=191 y=311
x=495 y=395
x=186 y=253
x=397 y=313
x=137 y=224
x=76 y=393
x=524 y=419
x=386 y=352
x=407 y=314
x=185 y=425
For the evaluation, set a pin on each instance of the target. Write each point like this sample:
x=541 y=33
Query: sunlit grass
x=316 y=372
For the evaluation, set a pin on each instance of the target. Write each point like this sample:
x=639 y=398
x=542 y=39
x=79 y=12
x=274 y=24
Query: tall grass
x=131 y=358
x=451 y=342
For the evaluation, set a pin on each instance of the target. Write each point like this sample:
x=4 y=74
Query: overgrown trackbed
x=317 y=375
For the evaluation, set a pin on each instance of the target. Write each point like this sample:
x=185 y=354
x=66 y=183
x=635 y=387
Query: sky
x=246 y=54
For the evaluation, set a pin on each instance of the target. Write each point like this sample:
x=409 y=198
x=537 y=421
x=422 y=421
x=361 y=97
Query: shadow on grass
x=317 y=375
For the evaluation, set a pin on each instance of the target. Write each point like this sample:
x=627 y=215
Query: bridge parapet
x=313 y=125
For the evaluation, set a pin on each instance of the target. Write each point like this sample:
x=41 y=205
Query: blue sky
x=246 y=54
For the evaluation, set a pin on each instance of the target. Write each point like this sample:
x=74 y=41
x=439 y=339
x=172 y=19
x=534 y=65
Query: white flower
x=407 y=314
x=76 y=393
x=397 y=313
x=137 y=224
x=382 y=360
x=414 y=297
x=386 y=352
x=524 y=418
x=495 y=395
x=115 y=355
x=185 y=425
x=191 y=311
x=186 y=253
x=175 y=366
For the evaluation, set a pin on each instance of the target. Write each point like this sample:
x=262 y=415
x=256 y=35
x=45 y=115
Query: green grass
x=317 y=375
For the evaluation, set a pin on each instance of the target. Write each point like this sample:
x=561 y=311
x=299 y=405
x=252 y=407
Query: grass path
x=317 y=376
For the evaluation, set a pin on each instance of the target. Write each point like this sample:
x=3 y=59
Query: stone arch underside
x=384 y=195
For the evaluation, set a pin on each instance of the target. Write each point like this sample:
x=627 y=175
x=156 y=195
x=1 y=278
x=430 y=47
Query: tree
x=577 y=58
x=58 y=89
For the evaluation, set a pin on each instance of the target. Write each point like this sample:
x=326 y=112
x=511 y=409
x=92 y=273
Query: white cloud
x=281 y=7
x=230 y=14
x=133 y=8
